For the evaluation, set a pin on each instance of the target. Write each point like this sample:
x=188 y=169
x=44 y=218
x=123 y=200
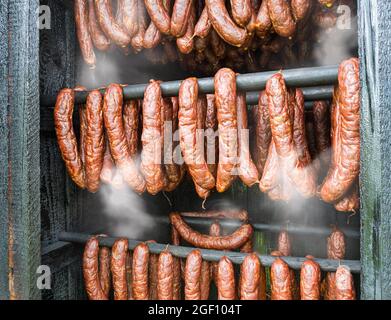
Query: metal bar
x=291 y=228
x=214 y=255
x=301 y=77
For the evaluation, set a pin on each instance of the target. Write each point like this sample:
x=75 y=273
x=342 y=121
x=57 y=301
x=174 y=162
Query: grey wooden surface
x=19 y=156
x=375 y=55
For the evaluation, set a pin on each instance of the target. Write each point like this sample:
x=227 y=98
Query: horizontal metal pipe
x=291 y=228
x=214 y=255
x=301 y=77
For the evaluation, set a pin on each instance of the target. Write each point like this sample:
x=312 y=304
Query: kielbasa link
x=223 y=24
x=153 y=274
x=90 y=270
x=248 y=172
x=110 y=27
x=159 y=15
x=263 y=23
x=83 y=32
x=99 y=39
x=176 y=241
x=129 y=16
x=300 y=9
x=241 y=11
x=107 y=173
x=310 y=275
x=225 y=280
x=140 y=272
x=205 y=280
x=112 y=111
x=230 y=242
x=263 y=134
x=185 y=43
x=347 y=153
x=281 y=283
x=118 y=269
x=179 y=17
x=241 y=215
x=281 y=17
x=131 y=124
x=344 y=286
x=165 y=276
x=351 y=201
x=321 y=116
x=137 y=41
x=193 y=156
x=225 y=95
x=94 y=140
x=193 y=275
x=152 y=139
x=250 y=272
x=203 y=25
x=284 y=243
x=104 y=270
x=214 y=231
x=63 y=119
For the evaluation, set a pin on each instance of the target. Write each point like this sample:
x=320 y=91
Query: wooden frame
x=375 y=55
x=19 y=144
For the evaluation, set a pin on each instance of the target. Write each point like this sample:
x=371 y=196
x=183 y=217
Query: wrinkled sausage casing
x=346 y=157
x=212 y=148
x=351 y=201
x=94 y=140
x=185 y=43
x=104 y=270
x=83 y=32
x=300 y=8
x=118 y=269
x=176 y=241
x=310 y=276
x=284 y=243
x=248 y=172
x=165 y=276
x=282 y=130
x=191 y=150
x=63 y=115
x=159 y=15
x=263 y=23
x=214 y=231
x=223 y=24
x=128 y=16
x=203 y=25
x=107 y=172
x=281 y=282
x=230 y=242
x=205 y=280
x=137 y=41
x=99 y=39
x=179 y=18
x=322 y=130
x=112 y=111
x=226 y=280
x=110 y=27
x=140 y=272
x=90 y=270
x=250 y=272
x=336 y=245
x=131 y=111
x=241 y=11
x=193 y=275
x=225 y=95
x=152 y=139
x=263 y=134
x=153 y=275
x=281 y=17
x=344 y=286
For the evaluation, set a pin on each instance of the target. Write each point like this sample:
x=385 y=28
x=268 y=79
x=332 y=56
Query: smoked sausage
x=230 y=242
x=241 y=11
x=248 y=172
x=110 y=27
x=83 y=32
x=205 y=280
x=152 y=139
x=214 y=231
x=118 y=269
x=159 y=15
x=66 y=138
x=193 y=275
x=165 y=276
x=280 y=279
x=99 y=39
x=180 y=16
x=346 y=168
x=94 y=140
x=321 y=116
x=310 y=275
x=300 y=9
x=112 y=111
x=281 y=17
x=344 y=286
x=104 y=270
x=175 y=240
x=212 y=147
x=131 y=111
x=250 y=271
x=284 y=243
x=90 y=270
x=140 y=272
x=203 y=25
x=192 y=154
x=225 y=95
x=225 y=280
x=107 y=173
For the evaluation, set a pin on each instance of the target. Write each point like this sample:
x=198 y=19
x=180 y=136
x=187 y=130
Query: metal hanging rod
x=291 y=228
x=214 y=255
x=301 y=77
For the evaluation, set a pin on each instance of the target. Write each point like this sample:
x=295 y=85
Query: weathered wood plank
x=19 y=164
x=375 y=55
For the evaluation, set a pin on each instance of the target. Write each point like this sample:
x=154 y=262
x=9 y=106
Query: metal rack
x=318 y=81
x=213 y=255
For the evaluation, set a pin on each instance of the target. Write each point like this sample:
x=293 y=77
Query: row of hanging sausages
x=142 y=275
x=281 y=158
x=145 y=24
